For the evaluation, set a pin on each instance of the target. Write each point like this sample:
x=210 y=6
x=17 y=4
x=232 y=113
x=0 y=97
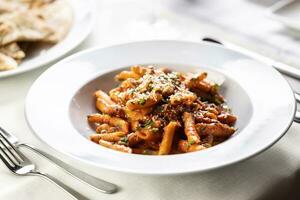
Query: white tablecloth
x=274 y=174
x=246 y=22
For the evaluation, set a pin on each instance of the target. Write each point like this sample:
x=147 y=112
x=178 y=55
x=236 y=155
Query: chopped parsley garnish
x=124 y=140
x=191 y=142
x=142 y=101
x=148 y=123
x=218 y=101
x=216 y=87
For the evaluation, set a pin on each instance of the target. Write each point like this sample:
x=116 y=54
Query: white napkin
x=244 y=22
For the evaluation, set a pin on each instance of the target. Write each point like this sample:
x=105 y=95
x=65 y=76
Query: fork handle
x=98 y=184
x=72 y=192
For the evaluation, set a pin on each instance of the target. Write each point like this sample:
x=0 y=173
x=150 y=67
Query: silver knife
x=281 y=67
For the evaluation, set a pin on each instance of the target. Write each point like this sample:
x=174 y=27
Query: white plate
x=61 y=98
x=83 y=21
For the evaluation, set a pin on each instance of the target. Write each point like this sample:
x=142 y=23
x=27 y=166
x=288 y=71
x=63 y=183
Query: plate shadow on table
x=286 y=188
x=256 y=173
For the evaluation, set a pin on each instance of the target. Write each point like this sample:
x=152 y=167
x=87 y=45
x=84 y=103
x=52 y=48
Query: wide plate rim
x=157 y=172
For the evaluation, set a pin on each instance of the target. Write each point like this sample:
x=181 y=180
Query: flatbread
x=7 y=63
x=57 y=15
x=38 y=3
x=22 y=26
x=19 y=5
x=12 y=6
x=13 y=50
x=29 y=21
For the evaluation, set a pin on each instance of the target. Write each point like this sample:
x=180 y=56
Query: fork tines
x=8 y=153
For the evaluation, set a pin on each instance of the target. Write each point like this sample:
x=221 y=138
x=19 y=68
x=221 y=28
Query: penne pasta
x=106 y=105
x=160 y=112
x=128 y=83
x=144 y=151
x=115 y=146
x=189 y=128
x=184 y=147
x=199 y=82
x=144 y=102
x=183 y=98
x=227 y=118
x=215 y=129
x=166 y=143
x=112 y=137
x=134 y=139
x=196 y=147
x=141 y=71
x=113 y=121
x=210 y=115
x=114 y=94
x=95 y=137
x=139 y=114
x=103 y=128
x=126 y=75
x=146 y=134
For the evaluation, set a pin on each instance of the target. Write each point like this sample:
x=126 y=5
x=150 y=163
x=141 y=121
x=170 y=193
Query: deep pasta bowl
x=60 y=100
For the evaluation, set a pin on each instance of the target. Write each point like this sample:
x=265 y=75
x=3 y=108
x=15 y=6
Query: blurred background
x=269 y=27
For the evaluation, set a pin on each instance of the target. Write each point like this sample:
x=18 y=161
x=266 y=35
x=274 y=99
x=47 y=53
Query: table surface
x=274 y=174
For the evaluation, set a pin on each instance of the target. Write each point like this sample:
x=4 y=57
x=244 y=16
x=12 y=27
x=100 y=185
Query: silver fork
x=98 y=184
x=19 y=164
